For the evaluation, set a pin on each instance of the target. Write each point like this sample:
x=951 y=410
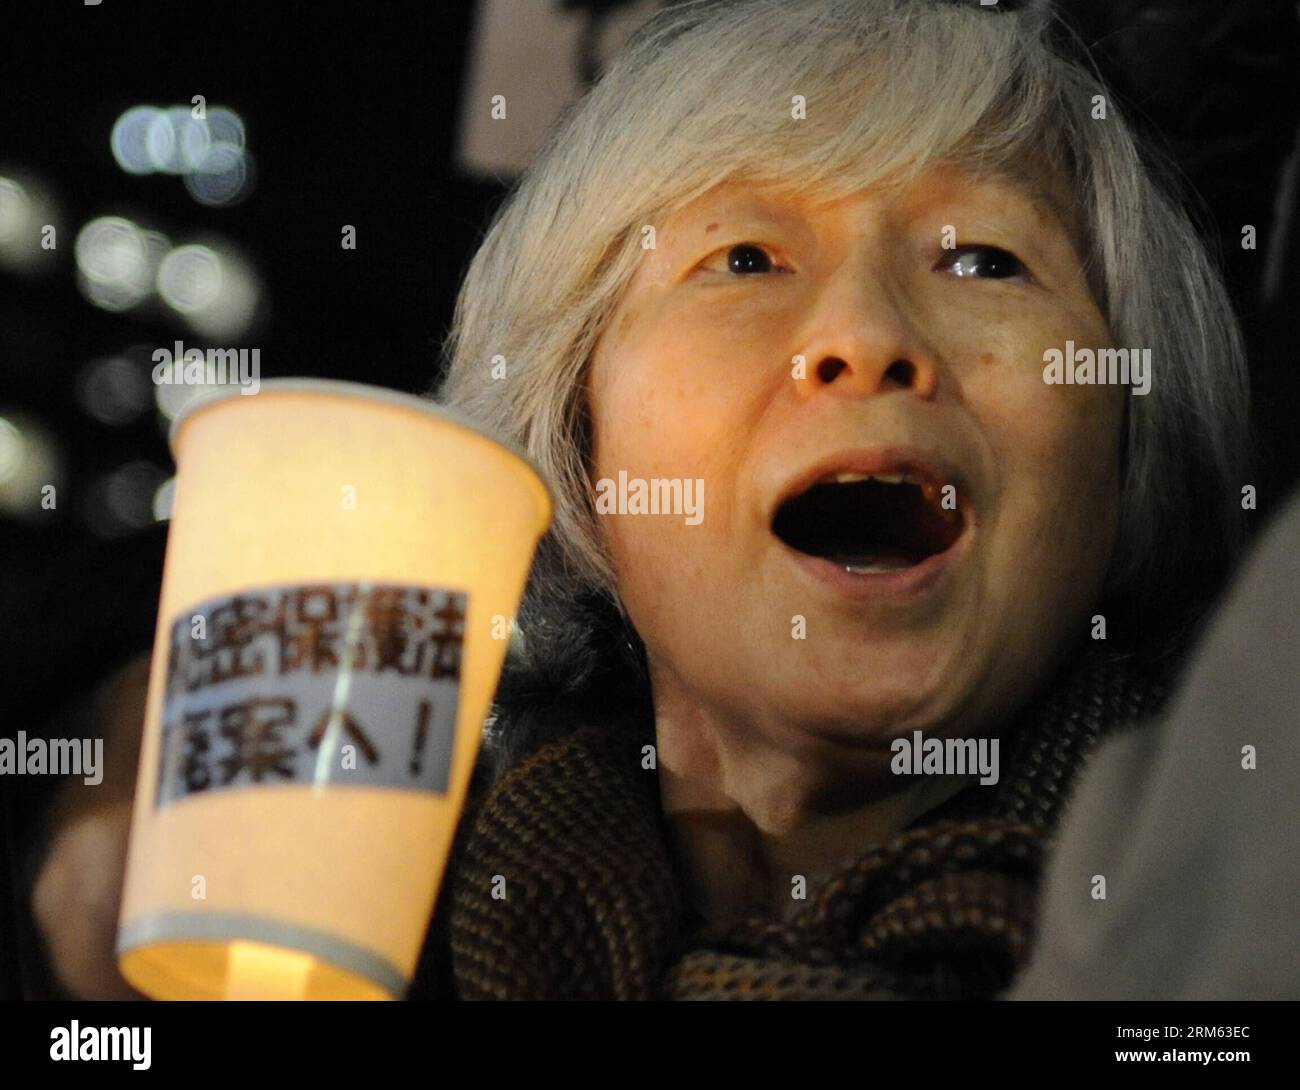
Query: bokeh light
x=190 y=278
x=164 y=499
x=26 y=209
x=121 y=501
x=210 y=152
x=130 y=139
x=212 y=287
x=117 y=262
x=11 y=449
x=174 y=398
x=167 y=137
x=222 y=177
x=226 y=127
x=114 y=390
x=29 y=461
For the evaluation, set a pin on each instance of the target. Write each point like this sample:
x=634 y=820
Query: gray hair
x=703 y=94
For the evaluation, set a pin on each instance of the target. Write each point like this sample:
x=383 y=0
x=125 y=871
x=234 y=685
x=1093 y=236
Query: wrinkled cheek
x=1067 y=501
x=1093 y=461
x=667 y=579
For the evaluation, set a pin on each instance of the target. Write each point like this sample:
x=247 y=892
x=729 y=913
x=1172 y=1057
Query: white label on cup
x=335 y=685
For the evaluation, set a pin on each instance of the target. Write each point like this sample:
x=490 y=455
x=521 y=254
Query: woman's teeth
x=853 y=478
x=932 y=493
x=873 y=566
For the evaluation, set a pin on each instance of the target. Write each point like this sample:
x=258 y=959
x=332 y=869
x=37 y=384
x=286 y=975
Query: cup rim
x=363 y=390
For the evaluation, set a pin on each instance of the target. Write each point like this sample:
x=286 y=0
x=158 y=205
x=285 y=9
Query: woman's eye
x=983 y=262
x=748 y=258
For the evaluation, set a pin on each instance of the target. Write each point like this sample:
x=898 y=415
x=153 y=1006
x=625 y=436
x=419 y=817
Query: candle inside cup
x=340 y=570
x=255 y=971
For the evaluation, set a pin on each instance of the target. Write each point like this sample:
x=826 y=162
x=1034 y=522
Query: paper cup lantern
x=341 y=570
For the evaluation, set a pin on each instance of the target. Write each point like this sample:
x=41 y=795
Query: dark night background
x=352 y=115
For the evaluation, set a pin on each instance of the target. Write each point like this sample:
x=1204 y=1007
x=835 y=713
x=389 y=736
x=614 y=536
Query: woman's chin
x=873 y=710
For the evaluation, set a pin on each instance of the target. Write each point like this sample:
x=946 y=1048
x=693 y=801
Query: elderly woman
x=844 y=273
x=815 y=255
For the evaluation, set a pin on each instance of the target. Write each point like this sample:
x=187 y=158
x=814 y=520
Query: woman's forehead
x=1028 y=181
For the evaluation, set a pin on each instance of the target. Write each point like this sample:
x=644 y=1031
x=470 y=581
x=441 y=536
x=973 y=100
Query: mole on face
x=710 y=228
x=627 y=321
x=987 y=359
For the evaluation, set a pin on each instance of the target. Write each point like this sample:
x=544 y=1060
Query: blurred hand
x=78 y=890
x=76 y=901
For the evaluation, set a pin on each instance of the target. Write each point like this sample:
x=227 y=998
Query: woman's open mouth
x=894 y=528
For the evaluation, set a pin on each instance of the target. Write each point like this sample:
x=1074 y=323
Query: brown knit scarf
x=593 y=905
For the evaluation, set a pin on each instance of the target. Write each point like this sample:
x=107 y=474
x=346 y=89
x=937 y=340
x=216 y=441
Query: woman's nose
x=861 y=343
